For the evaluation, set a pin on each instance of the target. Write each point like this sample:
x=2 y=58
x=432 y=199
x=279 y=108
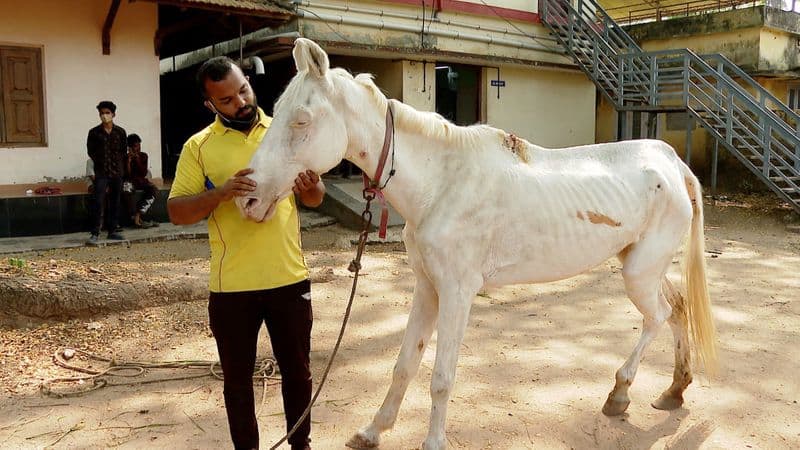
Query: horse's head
x=307 y=132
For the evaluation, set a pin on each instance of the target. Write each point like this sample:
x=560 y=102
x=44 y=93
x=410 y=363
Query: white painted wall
x=419 y=91
x=547 y=107
x=522 y=5
x=387 y=73
x=552 y=108
x=77 y=75
x=395 y=25
x=775 y=47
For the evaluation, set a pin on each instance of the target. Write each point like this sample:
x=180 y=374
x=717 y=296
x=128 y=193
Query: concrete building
x=58 y=59
x=471 y=61
x=54 y=72
x=486 y=61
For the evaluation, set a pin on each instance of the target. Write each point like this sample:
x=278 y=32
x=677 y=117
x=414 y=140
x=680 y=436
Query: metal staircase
x=757 y=128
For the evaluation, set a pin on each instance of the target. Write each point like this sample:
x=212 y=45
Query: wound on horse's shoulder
x=517 y=146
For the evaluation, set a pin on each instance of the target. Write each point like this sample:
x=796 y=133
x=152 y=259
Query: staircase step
x=781 y=179
x=735 y=127
x=778 y=181
x=750 y=142
x=760 y=158
x=579 y=39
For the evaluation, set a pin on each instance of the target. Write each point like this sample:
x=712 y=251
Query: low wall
x=68 y=212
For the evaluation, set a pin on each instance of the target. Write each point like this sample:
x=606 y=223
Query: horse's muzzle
x=257 y=210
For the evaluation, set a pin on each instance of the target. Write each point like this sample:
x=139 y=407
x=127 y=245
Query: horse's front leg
x=421 y=320
x=455 y=301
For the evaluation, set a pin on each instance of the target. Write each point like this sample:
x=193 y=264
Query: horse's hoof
x=359 y=441
x=615 y=407
x=668 y=402
x=433 y=444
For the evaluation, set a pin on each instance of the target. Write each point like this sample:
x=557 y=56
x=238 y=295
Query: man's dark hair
x=134 y=139
x=107 y=104
x=215 y=69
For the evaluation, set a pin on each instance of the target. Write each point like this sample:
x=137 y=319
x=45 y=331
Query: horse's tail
x=698 y=306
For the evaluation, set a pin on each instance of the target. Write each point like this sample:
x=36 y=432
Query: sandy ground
x=535 y=367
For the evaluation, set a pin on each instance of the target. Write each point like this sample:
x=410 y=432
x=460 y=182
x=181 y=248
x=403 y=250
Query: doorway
x=458 y=93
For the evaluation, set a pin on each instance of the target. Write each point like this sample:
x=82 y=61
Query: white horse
x=484 y=208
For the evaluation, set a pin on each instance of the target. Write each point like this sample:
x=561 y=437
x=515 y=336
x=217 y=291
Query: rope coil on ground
x=266 y=369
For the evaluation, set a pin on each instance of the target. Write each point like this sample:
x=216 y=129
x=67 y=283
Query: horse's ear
x=311 y=57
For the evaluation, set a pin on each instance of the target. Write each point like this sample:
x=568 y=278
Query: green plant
x=18 y=263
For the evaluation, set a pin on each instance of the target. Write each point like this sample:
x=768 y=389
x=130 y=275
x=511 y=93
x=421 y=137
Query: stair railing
x=756 y=127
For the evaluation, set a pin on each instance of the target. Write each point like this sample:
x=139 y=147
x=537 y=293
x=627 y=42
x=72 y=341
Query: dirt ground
x=535 y=367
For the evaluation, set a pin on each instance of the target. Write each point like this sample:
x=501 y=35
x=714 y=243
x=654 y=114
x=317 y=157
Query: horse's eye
x=302 y=117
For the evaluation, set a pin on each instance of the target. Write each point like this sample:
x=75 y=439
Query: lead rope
x=355 y=267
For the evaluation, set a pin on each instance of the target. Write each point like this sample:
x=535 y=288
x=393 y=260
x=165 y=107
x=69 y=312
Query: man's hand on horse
x=238 y=185
x=305 y=181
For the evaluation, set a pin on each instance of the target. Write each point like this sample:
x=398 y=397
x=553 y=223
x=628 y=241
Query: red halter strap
x=373 y=186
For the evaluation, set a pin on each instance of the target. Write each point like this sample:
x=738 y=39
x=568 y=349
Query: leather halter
x=373 y=186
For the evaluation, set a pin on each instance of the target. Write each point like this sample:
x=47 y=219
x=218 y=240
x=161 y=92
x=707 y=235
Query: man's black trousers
x=235 y=320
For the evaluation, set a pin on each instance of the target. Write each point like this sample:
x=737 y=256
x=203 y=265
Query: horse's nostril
x=251 y=202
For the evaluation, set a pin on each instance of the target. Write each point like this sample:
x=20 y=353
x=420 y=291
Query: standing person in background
x=107 y=147
x=137 y=175
x=258 y=274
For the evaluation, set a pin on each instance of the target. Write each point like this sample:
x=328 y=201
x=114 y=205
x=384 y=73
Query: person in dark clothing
x=137 y=179
x=107 y=145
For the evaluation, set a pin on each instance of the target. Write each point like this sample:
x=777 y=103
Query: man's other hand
x=305 y=181
x=309 y=188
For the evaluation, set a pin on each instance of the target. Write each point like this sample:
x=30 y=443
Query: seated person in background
x=137 y=179
x=89 y=175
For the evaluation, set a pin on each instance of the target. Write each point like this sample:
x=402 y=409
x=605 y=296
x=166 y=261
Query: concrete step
x=344 y=201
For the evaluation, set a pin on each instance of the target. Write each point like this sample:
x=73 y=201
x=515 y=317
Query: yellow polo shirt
x=245 y=255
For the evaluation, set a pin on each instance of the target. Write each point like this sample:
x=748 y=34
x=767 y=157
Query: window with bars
x=21 y=97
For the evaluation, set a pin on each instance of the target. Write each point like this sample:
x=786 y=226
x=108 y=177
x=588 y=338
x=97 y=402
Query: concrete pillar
x=689 y=128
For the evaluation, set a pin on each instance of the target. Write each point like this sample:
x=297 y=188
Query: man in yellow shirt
x=258 y=274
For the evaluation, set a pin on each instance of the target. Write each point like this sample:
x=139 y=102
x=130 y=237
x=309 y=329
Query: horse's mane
x=432 y=125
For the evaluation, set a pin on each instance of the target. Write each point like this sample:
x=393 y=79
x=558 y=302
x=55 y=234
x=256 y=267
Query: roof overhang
x=252 y=8
x=626 y=12
x=188 y=25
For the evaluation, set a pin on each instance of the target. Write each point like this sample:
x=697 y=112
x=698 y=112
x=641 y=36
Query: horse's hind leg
x=421 y=321
x=672 y=398
x=642 y=273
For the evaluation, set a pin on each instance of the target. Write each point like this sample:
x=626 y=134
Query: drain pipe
x=397 y=15
x=258 y=65
x=414 y=29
